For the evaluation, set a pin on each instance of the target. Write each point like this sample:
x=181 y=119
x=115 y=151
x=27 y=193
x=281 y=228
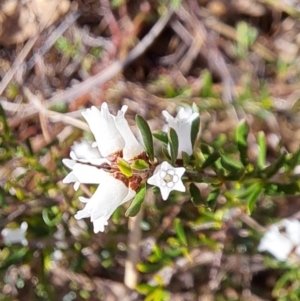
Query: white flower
x=11 y=236
x=109 y=195
x=281 y=243
x=112 y=133
x=182 y=124
x=276 y=243
x=167 y=178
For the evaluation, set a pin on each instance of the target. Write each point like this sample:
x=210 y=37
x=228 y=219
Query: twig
x=112 y=24
x=114 y=68
x=71 y=18
x=28 y=46
x=54 y=116
x=133 y=250
x=90 y=83
x=17 y=63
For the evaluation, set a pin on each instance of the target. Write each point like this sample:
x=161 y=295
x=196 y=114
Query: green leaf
x=148 y=267
x=173 y=143
x=212 y=197
x=207 y=84
x=159 y=294
x=271 y=170
x=161 y=136
x=195 y=127
x=180 y=231
x=254 y=192
x=276 y=189
x=241 y=139
x=166 y=152
x=262 y=150
x=140 y=164
x=124 y=167
x=230 y=163
x=292 y=160
x=185 y=158
x=196 y=196
x=206 y=149
x=137 y=202
x=3 y=125
x=212 y=158
x=144 y=288
x=146 y=135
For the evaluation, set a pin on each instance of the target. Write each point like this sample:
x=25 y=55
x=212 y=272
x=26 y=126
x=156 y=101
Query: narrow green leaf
x=235 y=175
x=137 y=202
x=293 y=160
x=3 y=125
x=195 y=128
x=196 y=196
x=254 y=192
x=185 y=158
x=144 y=288
x=166 y=152
x=140 y=164
x=271 y=170
x=173 y=143
x=124 y=167
x=146 y=135
x=161 y=136
x=262 y=150
x=277 y=189
x=199 y=158
x=241 y=136
x=230 y=163
x=180 y=231
x=212 y=197
x=212 y=158
x=206 y=149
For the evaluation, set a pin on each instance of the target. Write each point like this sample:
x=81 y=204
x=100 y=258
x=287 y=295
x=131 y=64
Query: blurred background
x=234 y=59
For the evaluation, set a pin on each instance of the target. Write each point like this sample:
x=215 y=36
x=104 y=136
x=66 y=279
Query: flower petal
x=83 y=150
x=86 y=174
x=132 y=147
x=292 y=228
x=102 y=125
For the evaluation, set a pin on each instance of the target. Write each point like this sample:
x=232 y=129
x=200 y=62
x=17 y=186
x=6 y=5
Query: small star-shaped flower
x=167 y=178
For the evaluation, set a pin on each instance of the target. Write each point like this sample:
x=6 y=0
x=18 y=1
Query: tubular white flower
x=281 y=239
x=110 y=194
x=102 y=125
x=83 y=173
x=167 y=178
x=132 y=147
x=276 y=243
x=11 y=236
x=182 y=124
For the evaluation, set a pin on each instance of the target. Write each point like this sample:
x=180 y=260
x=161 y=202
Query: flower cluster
x=119 y=163
x=282 y=239
x=113 y=139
